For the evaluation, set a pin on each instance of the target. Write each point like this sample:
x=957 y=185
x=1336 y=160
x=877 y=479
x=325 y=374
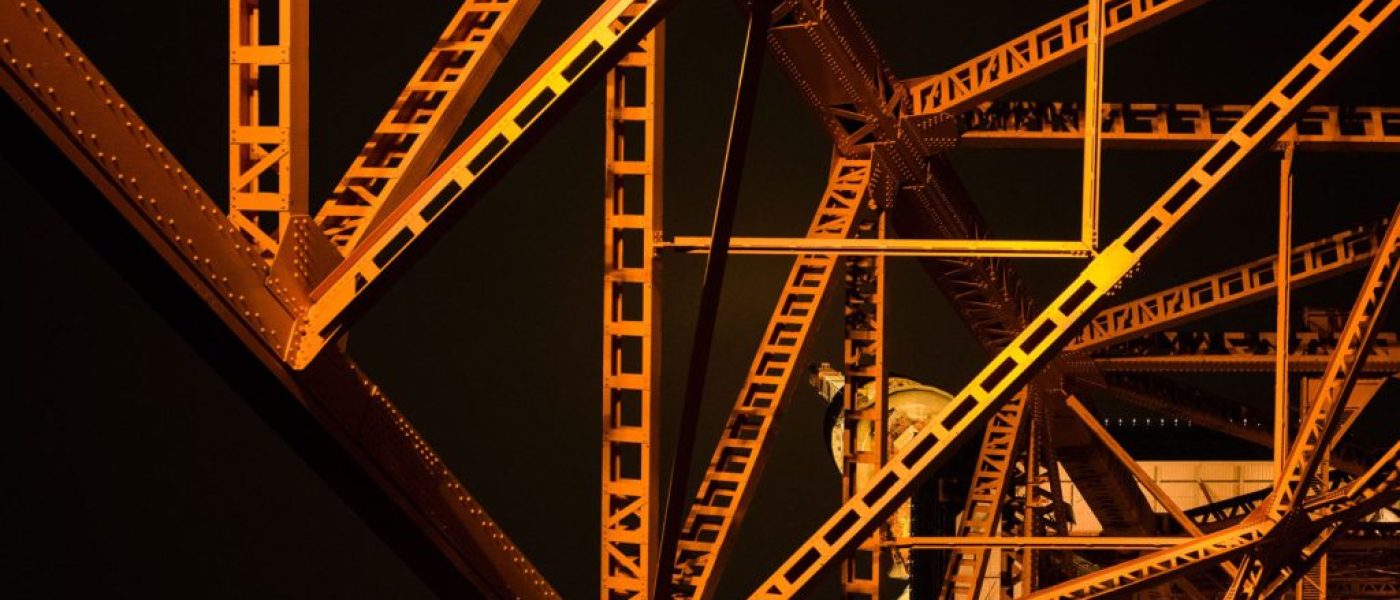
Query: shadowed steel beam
x=1034 y=54
x=478 y=162
x=731 y=174
x=1163 y=126
x=424 y=117
x=1241 y=352
x=219 y=292
x=1122 y=455
x=886 y=247
x=1050 y=330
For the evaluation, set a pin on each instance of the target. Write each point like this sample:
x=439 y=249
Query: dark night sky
x=132 y=469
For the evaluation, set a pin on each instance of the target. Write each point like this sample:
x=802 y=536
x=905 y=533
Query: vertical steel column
x=1313 y=584
x=268 y=110
x=865 y=444
x=1093 y=124
x=1283 y=276
x=631 y=319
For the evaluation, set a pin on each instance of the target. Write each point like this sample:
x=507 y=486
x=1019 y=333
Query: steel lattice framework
x=285 y=285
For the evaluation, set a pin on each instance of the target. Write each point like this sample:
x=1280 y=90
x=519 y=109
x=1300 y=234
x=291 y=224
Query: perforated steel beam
x=1239 y=352
x=1156 y=126
x=1049 y=331
x=633 y=165
x=424 y=117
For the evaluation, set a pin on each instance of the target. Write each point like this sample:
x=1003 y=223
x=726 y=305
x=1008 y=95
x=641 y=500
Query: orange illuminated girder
x=727 y=485
x=1171 y=126
x=424 y=117
x=347 y=429
x=463 y=177
x=268 y=147
x=1051 y=329
x=1022 y=60
x=630 y=497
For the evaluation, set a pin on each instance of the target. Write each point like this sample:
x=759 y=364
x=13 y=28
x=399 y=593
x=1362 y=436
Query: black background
x=131 y=469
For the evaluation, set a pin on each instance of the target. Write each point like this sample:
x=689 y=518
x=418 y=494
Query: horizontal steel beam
x=1154 y=126
x=1379 y=364
x=1038 y=543
x=887 y=247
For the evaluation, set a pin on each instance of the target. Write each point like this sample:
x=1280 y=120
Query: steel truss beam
x=1151 y=126
x=1238 y=351
x=726 y=487
x=1034 y=54
x=1049 y=331
x=465 y=175
x=330 y=412
x=424 y=117
x=1313 y=261
x=633 y=166
x=268 y=146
